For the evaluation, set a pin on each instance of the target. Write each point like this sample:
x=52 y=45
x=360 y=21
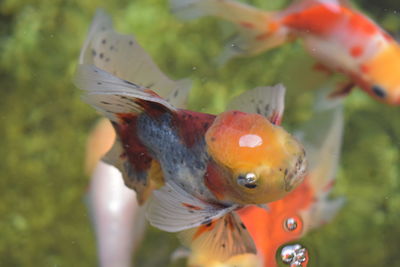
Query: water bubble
x=294 y=255
x=290 y=224
x=194 y=68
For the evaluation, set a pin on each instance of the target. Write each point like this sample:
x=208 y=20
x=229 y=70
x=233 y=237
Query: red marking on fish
x=364 y=68
x=322 y=68
x=359 y=23
x=212 y=179
x=318 y=19
x=275 y=118
x=154 y=109
x=136 y=152
x=192 y=125
x=246 y=24
x=191 y=206
x=263 y=36
x=356 y=51
x=322 y=19
x=202 y=229
x=329 y=186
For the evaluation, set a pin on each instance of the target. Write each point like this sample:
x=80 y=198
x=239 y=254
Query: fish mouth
x=296 y=175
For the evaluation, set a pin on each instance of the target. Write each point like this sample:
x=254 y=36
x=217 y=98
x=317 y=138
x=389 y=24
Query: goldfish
x=195 y=169
x=339 y=37
x=118 y=219
x=305 y=208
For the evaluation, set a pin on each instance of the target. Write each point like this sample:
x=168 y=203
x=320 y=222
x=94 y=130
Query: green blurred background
x=44 y=125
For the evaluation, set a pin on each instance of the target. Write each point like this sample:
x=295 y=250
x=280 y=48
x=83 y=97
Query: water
x=44 y=221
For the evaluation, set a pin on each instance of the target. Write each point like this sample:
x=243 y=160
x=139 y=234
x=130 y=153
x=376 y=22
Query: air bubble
x=290 y=224
x=294 y=255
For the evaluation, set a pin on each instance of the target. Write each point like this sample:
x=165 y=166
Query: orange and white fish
x=340 y=38
x=305 y=208
x=204 y=166
x=118 y=219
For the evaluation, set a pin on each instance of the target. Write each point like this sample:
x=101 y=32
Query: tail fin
x=116 y=98
x=122 y=56
x=322 y=137
x=112 y=96
x=257 y=30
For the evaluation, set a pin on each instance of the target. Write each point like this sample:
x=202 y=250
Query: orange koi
x=340 y=38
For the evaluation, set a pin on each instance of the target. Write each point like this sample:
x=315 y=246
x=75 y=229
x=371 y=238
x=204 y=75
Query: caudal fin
x=122 y=56
x=257 y=30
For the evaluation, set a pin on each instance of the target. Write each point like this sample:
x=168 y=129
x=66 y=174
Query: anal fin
x=220 y=239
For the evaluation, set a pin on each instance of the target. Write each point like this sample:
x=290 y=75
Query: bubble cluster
x=294 y=255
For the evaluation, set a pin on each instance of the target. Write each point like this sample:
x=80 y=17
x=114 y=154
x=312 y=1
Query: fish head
x=263 y=161
x=383 y=75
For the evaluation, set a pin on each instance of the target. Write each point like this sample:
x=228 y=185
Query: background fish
x=340 y=38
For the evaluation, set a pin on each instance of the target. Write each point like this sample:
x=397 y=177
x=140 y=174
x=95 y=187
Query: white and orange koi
x=339 y=37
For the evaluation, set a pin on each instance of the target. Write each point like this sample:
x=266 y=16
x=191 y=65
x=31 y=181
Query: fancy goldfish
x=340 y=38
x=118 y=219
x=305 y=208
x=202 y=166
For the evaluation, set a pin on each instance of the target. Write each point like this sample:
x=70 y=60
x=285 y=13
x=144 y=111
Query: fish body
x=190 y=158
x=305 y=208
x=340 y=38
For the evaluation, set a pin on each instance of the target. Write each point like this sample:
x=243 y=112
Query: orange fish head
x=264 y=162
x=382 y=74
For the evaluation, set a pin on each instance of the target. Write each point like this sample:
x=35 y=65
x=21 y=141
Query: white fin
x=267 y=101
x=324 y=100
x=172 y=209
x=111 y=95
x=101 y=23
x=178 y=97
x=220 y=239
x=180 y=253
x=322 y=212
x=264 y=207
x=322 y=138
x=257 y=30
x=122 y=56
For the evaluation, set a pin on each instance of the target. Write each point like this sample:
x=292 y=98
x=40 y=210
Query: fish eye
x=379 y=91
x=247 y=180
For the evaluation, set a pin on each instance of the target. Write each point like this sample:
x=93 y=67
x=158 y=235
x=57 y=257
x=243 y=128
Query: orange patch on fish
x=268 y=229
x=241 y=140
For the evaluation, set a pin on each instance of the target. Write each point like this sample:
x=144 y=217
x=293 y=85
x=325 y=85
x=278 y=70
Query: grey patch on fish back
x=185 y=166
x=135 y=176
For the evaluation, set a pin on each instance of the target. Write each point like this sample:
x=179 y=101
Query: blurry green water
x=44 y=124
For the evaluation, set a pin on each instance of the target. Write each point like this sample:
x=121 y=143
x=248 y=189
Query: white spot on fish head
x=250 y=140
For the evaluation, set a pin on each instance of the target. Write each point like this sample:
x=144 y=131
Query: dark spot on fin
x=207 y=222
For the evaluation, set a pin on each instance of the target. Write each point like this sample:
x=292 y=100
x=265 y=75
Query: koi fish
x=203 y=166
x=118 y=219
x=340 y=38
x=305 y=208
